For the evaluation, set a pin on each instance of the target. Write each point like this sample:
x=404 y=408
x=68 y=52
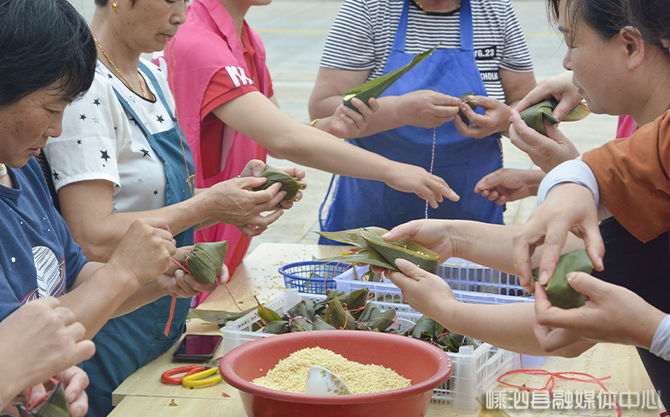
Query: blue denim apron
x=129 y=342
x=460 y=160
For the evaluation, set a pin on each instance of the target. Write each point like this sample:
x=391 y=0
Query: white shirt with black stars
x=100 y=141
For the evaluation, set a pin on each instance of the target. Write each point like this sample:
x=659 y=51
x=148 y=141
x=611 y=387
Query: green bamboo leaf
x=288 y=183
x=54 y=406
x=559 y=292
x=321 y=324
x=276 y=327
x=338 y=317
x=534 y=115
x=401 y=249
x=217 y=316
x=265 y=313
x=473 y=106
x=367 y=256
x=206 y=259
x=375 y=87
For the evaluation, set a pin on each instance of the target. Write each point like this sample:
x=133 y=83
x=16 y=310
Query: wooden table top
x=142 y=393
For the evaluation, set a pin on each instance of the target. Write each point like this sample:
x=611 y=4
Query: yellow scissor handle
x=200 y=379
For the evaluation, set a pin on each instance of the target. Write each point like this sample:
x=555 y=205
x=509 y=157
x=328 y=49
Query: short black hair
x=606 y=17
x=43 y=42
x=651 y=18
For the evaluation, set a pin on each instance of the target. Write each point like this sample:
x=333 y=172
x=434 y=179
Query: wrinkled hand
x=255 y=167
x=495 y=118
x=176 y=281
x=45 y=339
x=568 y=207
x=431 y=234
x=348 y=123
x=425 y=292
x=413 y=179
x=545 y=151
x=234 y=202
x=559 y=87
x=601 y=318
x=507 y=184
x=75 y=381
x=145 y=250
x=428 y=109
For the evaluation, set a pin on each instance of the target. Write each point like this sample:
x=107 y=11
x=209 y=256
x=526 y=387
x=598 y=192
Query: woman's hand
x=425 y=292
x=601 y=318
x=349 y=123
x=413 y=179
x=234 y=202
x=45 y=339
x=177 y=281
x=545 y=151
x=145 y=250
x=426 y=108
x=560 y=88
x=495 y=118
x=431 y=234
x=255 y=167
x=568 y=207
x=75 y=381
x=507 y=184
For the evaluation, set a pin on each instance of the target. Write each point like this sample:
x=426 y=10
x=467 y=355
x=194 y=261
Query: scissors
x=194 y=376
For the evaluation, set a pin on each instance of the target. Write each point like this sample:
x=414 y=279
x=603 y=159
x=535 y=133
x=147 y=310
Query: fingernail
x=544 y=277
x=571 y=276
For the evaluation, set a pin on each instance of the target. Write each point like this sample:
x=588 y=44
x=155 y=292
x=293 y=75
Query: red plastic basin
x=425 y=365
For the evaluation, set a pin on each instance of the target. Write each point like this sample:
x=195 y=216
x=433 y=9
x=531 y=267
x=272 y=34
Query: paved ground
x=294 y=32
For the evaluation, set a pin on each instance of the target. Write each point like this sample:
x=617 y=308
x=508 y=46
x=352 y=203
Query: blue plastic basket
x=312 y=277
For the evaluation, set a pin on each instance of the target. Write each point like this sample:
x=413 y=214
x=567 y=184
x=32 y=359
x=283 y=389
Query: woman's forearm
x=508 y=326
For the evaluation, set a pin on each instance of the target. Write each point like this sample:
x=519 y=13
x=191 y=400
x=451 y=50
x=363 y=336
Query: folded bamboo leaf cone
x=206 y=259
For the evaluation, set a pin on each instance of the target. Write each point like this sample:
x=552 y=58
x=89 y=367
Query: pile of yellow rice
x=290 y=374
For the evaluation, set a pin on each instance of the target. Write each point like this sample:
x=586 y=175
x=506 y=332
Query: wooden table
x=143 y=394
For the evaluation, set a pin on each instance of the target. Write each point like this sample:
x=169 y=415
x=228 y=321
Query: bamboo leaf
x=403 y=249
x=288 y=183
x=54 y=406
x=375 y=87
x=559 y=292
x=206 y=259
x=534 y=115
x=265 y=313
x=217 y=316
x=473 y=106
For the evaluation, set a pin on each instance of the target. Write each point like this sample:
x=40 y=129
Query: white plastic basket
x=238 y=332
x=475 y=370
x=474 y=282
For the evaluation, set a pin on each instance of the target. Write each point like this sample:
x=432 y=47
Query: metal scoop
x=321 y=381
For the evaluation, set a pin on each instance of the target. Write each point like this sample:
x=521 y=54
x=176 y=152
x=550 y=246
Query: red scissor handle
x=186 y=370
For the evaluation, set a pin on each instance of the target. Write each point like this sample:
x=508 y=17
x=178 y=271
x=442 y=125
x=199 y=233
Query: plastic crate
x=475 y=370
x=312 y=277
x=238 y=332
x=471 y=282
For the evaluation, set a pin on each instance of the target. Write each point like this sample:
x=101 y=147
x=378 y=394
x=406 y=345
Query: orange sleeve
x=632 y=176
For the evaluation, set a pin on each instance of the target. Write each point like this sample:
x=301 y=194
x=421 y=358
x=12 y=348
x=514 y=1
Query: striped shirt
x=363 y=33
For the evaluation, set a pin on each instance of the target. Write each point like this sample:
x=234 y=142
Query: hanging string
x=38 y=401
x=551 y=381
x=432 y=161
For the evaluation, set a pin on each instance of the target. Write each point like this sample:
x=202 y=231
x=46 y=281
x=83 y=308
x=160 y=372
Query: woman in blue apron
x=461 y=161
x=128 y=342
x=121 y=156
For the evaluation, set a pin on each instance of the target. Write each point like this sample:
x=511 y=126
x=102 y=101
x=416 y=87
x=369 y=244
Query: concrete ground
x=294 y=32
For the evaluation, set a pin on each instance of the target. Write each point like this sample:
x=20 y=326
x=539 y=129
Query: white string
x=432 y=160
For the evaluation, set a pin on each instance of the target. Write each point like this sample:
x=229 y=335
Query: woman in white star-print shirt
x=121 y=157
